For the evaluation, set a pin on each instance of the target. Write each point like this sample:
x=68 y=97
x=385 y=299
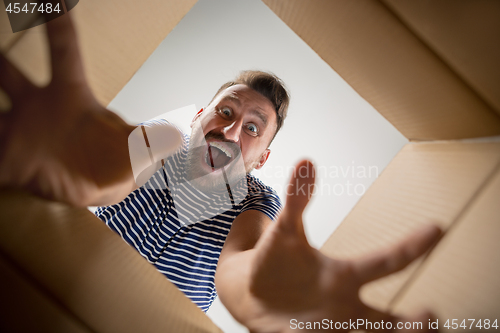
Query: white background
x=328 y=122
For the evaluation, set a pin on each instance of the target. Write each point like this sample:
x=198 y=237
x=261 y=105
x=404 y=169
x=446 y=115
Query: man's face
x=232 y=134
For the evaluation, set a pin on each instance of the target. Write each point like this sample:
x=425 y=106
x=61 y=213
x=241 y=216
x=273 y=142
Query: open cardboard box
x=419 y=63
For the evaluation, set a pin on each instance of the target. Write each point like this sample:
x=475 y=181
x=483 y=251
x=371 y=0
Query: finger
x=398 y=257
x=12 y=81
x=65 y=55
x=298 y=192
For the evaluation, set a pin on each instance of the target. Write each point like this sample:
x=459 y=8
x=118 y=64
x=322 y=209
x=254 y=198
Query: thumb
x=298 y=193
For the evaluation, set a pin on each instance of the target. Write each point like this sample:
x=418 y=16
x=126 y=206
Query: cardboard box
x=429 y=67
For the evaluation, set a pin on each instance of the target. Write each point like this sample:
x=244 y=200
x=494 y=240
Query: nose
x=232 y=131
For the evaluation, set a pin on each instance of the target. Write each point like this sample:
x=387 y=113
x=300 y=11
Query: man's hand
x=58 y=141
x=288 y=279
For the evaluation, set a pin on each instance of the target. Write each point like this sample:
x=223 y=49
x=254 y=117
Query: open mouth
x=217 y=155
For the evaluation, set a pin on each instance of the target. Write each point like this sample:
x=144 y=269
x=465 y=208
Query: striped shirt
x=152 y=219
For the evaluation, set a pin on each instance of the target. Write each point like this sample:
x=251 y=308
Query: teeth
x=219 y=146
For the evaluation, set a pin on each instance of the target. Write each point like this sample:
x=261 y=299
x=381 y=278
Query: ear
x=263 y=159
x=196 y=116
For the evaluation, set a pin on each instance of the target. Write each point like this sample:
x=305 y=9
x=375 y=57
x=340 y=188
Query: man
x=58 y=142
x=180 y=218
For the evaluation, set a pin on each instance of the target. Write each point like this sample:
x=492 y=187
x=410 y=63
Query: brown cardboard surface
x=22 y=297
x=425 y=183
x=116 y=38
x=88 y=269
x=390 y=67
x=466 y=34
x=459 y=280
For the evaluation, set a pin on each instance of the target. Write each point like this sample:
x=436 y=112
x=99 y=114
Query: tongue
x=217 y=158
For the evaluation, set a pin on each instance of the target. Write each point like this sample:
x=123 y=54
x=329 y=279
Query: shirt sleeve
x=263 y=199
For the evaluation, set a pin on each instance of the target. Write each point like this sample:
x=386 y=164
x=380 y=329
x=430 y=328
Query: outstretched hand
x=291 y=280
x=58 y=141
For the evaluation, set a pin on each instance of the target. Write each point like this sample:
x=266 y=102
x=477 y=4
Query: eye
x=252 y=128
x=227 y=112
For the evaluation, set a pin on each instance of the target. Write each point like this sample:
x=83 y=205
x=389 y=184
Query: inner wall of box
x=411 y=77
x=432 y=83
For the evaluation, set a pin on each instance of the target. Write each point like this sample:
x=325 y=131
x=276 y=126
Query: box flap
x=90 y=271
x=425 y=183
x=390 y=67
x=460 y=278
x=465 y=34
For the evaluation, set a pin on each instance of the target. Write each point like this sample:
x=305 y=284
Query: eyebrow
x=261 y=115
x=233 y=98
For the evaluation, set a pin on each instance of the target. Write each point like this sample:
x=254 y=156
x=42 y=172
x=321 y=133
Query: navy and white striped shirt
x=152 y=219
